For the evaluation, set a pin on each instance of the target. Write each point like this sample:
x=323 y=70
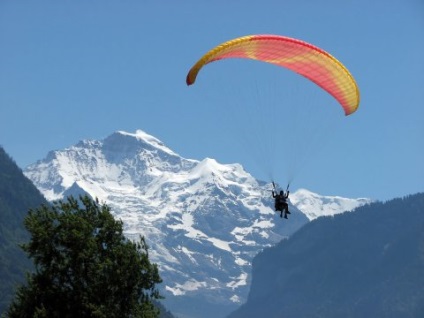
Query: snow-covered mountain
x=314 y=205
x=204 y=221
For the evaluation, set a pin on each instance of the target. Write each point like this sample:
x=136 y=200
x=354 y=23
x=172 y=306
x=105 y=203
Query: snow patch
x=188 y=286
x=238 y=282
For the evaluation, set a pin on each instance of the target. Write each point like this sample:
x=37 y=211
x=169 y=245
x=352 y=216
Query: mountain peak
x=124 y=141
x=146 y=138
x=211 y=166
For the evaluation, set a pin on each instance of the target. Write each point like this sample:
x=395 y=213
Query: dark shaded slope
x=17 y=196
x=369 y=263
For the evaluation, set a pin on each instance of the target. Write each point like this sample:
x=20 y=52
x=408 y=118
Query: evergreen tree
x=85 y=267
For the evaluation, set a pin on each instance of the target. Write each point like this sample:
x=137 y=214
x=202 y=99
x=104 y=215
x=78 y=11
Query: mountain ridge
x=369 y=263
x=17 y=196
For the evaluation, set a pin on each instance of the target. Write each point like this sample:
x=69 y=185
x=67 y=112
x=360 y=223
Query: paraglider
x=280 y=203
x=301 y=57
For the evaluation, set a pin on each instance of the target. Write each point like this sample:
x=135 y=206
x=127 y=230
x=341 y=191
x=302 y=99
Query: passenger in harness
x=281 y=203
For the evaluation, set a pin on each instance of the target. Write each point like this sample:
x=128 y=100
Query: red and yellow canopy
x=303 y=58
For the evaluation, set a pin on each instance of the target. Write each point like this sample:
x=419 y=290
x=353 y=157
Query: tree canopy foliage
x=84 y=266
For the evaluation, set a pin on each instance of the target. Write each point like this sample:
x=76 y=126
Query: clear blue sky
x=72 y=70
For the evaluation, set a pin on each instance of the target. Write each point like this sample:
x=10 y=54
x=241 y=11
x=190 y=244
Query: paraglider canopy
x=301 y=57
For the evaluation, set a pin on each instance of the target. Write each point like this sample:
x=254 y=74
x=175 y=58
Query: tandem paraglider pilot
x=281 y=203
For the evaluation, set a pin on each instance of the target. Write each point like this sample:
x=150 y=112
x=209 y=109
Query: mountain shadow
x=17 y=196
x=368 y=263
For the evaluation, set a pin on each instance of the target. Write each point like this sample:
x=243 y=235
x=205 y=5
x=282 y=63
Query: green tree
x=84 y=266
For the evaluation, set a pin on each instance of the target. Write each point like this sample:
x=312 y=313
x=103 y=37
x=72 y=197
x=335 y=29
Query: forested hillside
x=368 y=263
x=17 y=196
